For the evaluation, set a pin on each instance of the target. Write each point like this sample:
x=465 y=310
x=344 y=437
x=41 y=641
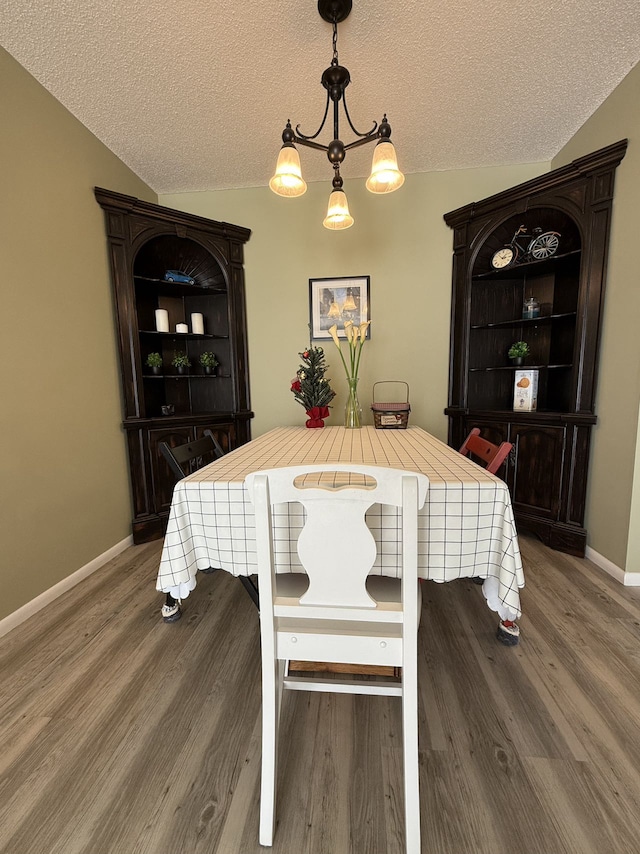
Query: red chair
x=491 y=455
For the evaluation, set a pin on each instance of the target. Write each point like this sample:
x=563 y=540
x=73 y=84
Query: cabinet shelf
x=521 y=368
x=525 y=321
x=186 y=376
x=187 y=336
x=164 y=288
x=536 y=267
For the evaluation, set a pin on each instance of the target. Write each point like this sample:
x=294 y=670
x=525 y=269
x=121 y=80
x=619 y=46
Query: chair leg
x=410 y=754
x=280 y=674
x=171 y=609
x=270 y=715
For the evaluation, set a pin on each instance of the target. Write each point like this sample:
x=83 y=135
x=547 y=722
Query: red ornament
x=316 y=415
x=295 y=385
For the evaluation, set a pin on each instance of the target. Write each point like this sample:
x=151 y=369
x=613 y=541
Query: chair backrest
x=193 y=455
x=336 y=548
x=491 y=455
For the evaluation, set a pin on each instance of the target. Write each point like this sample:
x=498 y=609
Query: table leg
x=252 y=589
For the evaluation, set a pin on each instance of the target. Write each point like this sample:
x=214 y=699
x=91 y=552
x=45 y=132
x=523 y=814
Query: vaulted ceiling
x=194 y=95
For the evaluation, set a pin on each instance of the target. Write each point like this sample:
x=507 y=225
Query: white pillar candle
x=197 y=324
x=162 y=320
x=182 y=327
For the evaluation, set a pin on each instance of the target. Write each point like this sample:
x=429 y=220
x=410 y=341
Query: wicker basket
x=391 y=416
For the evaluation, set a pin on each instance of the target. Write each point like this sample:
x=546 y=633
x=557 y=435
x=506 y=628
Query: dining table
x=466 y=528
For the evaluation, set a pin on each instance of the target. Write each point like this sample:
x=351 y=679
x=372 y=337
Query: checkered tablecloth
x=465 y=529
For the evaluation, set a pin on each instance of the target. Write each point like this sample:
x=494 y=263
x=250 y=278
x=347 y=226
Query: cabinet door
x=537 y=475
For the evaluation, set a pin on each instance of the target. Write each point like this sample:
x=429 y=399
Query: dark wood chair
x=192 y=456
x=184 y=460
x=477 y=448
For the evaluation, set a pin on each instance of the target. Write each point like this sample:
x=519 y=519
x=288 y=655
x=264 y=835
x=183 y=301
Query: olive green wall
x=64 y=494
x=613 y=511
x=400 y=240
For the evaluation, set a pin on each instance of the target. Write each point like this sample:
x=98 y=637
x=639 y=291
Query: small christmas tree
x=311 y=388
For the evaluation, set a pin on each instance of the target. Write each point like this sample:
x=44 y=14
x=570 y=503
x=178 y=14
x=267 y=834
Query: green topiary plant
x=180 y=360
x=154 y=360
x=519 y=350
x=208 y=360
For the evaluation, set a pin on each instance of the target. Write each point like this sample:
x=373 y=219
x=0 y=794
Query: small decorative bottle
x=530 y=309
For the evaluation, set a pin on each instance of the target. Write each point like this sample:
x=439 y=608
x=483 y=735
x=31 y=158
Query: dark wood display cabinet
x=547 y=468
x=146 y=240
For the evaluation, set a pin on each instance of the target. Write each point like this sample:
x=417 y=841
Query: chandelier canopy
x=385 y=175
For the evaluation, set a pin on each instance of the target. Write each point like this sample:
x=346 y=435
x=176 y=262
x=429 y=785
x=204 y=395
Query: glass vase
x=352 y=409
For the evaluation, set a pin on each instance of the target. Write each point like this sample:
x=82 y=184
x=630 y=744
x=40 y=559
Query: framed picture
x=336 y=301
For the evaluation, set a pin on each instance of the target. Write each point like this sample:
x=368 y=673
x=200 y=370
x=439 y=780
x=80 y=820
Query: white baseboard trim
x=30 y=608
x=629 y=579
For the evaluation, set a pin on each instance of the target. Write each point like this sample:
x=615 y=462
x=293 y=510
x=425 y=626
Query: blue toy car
x=177 y=276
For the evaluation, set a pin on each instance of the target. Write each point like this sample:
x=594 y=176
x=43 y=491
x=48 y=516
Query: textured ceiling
x=194 y=95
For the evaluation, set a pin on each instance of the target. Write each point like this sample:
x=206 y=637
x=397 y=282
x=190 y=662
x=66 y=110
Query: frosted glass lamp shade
x=338 y=215
x=288 y=178
x=385 y=176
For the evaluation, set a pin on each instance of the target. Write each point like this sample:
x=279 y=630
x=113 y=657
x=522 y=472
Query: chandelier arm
x=372 y=137
x=346 y=112
x=302 y=136
x=303 y=140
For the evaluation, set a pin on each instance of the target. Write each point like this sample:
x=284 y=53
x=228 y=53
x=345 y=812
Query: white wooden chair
x=335 y=611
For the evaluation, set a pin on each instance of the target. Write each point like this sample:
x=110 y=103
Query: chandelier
x=385 y=175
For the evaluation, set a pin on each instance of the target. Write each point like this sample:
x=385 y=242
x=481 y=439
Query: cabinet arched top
x=496 y=233
x=162 y=252
x=594 y=169
x=112 y=201
x=142 y=231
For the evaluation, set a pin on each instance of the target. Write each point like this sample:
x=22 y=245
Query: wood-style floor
x=123 y=735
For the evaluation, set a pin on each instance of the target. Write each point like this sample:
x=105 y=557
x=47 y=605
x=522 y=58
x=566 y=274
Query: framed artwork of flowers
x=333 y=302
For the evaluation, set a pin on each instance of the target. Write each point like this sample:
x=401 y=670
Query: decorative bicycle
x=526 y=246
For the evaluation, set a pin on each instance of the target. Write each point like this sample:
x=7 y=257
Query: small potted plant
x=180 y=362
x=518 y=352
x=209 y=362
x=154 y=361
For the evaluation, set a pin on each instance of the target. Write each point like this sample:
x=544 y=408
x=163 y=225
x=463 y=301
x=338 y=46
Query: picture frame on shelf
x=337 y=300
